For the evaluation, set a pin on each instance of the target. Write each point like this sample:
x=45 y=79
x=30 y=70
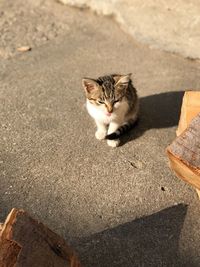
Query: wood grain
x=27 y=242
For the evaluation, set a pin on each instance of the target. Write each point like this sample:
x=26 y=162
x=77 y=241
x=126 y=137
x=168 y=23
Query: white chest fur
x=99 y=113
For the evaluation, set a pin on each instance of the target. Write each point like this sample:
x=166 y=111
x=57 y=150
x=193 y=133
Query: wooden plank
x=190 y=108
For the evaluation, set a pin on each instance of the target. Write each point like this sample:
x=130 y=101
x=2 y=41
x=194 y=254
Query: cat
x=113 y=103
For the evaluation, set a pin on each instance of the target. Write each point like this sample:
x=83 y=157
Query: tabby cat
x=113 y=103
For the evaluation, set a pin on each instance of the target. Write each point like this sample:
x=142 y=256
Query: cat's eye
x=116 y=101
x=100 y=102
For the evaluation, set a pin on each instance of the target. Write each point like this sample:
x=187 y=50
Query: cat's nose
x=109 y=108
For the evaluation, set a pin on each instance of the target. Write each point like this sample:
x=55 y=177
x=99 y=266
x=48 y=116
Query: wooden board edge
x=198 y=193
x=1 y=227
x=191 y=171
x=10 y=220
x=192 y=168
x=185 y=107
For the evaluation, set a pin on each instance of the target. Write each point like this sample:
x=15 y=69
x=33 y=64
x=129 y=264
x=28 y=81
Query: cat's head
x=106 y=92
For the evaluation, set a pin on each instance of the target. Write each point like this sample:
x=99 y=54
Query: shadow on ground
x=146 y=242
x=156 y=111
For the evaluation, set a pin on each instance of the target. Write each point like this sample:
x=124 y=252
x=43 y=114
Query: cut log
x=27 y=242
x=184 y=152
x=190 y=108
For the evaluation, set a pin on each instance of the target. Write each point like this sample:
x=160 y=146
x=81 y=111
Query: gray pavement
x=117 y=207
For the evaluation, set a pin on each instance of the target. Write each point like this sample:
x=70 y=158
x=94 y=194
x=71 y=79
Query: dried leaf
x=24 y=48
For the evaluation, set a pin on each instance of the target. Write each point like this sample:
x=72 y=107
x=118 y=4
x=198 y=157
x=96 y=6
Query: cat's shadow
x=156 y=111
x=149 y=241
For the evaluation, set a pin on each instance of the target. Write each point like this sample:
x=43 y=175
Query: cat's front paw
x=113 y=143
x=100 y=135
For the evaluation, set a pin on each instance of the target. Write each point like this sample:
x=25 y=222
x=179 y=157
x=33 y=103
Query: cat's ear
x=123 y=79
x=89 y=85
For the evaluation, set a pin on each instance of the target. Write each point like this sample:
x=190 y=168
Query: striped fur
x=121 y=130
x=113 y=103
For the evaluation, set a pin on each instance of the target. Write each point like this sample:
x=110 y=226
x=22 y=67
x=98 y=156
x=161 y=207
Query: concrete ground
x=117 y=207
x=169 y=25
